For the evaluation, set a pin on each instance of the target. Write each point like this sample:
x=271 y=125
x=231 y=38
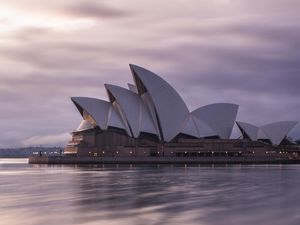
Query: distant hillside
x=25 y=152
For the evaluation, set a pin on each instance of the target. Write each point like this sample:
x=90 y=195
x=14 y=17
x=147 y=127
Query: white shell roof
x=154 y=106
x=203 y=129
x=170 y=108
x=101 y=111
x=197 y=128
x=220 y=117
x=134 y=111
x=84 y=125
x=114 y=119
x=249 y=129
x=261 y=134
x=189 y=127
x=132 y=88
x=98 y=109
x=147 y=124
x=275 y=132
x=147 y=102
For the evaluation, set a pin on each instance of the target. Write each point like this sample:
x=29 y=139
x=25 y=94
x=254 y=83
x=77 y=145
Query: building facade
x=150 y=119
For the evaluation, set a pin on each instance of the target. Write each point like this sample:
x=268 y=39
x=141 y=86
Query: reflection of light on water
x=148 y=194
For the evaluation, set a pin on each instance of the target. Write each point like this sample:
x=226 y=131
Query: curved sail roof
x=220 y=117
x=114 y=118
x=147 y=123
x=250 y=130
x=96 y=108
x=149 y=107
x=203 y=129
x=189 y=127
x=131 y=107
x=102 y=112
x=197 y=128
x=170 y=109
x=84 y=125
x=132 y=88
x=276 y=132
x=153 y=106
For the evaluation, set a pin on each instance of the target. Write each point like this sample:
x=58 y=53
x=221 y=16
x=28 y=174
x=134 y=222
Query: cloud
x=48 y=140
x=217 y=51
x=89 y=9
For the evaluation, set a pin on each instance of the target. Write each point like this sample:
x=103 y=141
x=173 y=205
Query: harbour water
x=148 y=194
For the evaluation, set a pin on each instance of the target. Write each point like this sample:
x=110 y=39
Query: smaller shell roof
x=189 y=127
x=114 y=118
x=101 y=111
x=249 y=129
x=275 y=132
x=134 y=110
x=84 y=125
x=203 y=129
x=220 y=117
x=132 y=88
x=98 y=109
x=197 y=128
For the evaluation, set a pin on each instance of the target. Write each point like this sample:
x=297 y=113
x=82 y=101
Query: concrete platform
x=160 y=160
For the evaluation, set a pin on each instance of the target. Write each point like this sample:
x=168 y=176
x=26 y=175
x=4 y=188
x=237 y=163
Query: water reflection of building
x=151 y=119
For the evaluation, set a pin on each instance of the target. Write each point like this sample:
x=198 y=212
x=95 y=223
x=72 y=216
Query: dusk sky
x=239 y=51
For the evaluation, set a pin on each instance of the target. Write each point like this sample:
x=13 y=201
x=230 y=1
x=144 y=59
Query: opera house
x=150 y=119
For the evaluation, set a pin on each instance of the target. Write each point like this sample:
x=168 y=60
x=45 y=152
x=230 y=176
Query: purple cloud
x=218 y=51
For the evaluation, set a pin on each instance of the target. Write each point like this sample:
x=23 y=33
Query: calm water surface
x=148 y=194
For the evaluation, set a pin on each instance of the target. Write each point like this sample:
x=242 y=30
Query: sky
x=238 y=51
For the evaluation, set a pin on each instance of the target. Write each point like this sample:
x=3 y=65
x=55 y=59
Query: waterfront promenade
x=162 y=160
